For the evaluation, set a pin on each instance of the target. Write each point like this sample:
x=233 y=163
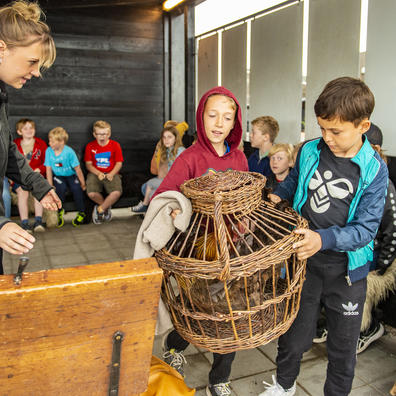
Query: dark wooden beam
x=67 y=4
x=79 y=4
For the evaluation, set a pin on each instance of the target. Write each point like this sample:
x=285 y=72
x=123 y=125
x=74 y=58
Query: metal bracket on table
x=118 y=336
x=23 y=262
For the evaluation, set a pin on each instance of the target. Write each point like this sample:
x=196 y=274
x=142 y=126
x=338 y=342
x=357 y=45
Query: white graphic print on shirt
x=338 y=188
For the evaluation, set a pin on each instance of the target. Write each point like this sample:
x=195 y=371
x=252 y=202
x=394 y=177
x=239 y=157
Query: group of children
x=338 y=183
x=60 y=165
x=274 y=161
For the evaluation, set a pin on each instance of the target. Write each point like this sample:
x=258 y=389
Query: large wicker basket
x=232 y=281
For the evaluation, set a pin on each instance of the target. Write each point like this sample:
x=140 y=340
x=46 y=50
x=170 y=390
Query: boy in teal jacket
x=339 y=185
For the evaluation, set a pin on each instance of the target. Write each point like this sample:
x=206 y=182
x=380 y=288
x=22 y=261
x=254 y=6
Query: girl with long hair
x=170 y=146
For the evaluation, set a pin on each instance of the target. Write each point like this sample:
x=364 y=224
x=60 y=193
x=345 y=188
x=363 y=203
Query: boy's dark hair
x=267 y=125
x=374 y=135
x=347 y=98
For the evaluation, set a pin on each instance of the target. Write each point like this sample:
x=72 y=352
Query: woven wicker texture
x=232 y=280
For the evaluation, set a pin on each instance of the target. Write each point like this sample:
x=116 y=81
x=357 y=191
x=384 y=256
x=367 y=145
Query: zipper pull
x=348 y=279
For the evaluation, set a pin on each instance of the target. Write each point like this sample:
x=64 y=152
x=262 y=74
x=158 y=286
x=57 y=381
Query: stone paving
x=89 y=244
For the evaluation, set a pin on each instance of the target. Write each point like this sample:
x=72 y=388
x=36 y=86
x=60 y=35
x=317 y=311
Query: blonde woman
x=26 y=46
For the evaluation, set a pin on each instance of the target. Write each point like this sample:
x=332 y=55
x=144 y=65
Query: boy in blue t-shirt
x=64 y=173
x=338 y=184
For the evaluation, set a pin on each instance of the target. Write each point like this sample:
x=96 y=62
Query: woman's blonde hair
x=286 y=147
x=178 y=143
x=20 y=26
x=58 y=134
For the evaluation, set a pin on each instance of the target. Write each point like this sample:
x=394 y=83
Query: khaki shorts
x=96 y=185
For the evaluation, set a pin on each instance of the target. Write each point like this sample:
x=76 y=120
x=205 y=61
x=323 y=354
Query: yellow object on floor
x=165 y=381
x=393 y=390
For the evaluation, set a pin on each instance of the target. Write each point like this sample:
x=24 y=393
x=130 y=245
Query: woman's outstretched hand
x=15 y=240
x=51 y=201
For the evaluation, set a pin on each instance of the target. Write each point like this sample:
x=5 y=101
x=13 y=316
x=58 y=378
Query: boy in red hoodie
x=219 y=133
x=33 y=148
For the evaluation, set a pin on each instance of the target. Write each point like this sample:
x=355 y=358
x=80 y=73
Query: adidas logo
x=350 y=309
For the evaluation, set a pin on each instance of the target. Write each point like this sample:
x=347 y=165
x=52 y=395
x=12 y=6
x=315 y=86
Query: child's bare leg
x=110 y=200
x=38 y=208
x=23 y=208
x=96 y=197
x=146 y=199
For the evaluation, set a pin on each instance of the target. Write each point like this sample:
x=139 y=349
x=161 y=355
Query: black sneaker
x=321 y=335
x=27 y=227
x=222 y=389
x=175 y=359
x=79 y=219
x=365 y=339
x=38 y=226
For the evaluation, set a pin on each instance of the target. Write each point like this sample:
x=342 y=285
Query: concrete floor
x=90 y=244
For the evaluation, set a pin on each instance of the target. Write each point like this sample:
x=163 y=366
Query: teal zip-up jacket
x=365 y=211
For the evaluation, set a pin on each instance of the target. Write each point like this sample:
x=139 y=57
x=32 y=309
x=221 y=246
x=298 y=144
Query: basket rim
x=253 y=180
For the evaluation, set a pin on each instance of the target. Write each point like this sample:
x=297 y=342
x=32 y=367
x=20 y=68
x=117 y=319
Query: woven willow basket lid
x=238 y=191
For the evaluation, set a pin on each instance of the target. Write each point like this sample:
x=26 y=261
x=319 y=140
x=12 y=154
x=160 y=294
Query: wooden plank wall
x=109 y=66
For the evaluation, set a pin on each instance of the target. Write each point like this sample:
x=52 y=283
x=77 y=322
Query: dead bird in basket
x=282 y=205
x=243 y=293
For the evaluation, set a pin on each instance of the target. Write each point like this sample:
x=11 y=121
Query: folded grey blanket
x=157 y=228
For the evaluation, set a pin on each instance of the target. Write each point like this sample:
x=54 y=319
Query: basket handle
x=222 y=238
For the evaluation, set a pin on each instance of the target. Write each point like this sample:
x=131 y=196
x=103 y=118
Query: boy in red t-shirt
x=103 y=160
x=33 y=148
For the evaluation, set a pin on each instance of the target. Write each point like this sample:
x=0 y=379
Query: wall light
x=169 y=4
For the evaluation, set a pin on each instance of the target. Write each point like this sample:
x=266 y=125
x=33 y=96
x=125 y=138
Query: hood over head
x=235 y=135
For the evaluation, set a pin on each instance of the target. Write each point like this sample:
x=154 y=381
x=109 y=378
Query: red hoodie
x=201 y=157
x=37 y=155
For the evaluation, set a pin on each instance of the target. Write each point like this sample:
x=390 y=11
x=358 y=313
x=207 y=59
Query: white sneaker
x=366 y=339
x=97 y=218
x=276 y=390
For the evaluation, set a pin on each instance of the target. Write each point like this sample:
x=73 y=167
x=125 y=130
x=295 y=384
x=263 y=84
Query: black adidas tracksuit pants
x=325 y=283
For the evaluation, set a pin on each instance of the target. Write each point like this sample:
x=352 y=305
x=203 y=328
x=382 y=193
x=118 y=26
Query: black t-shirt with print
x=330 y=193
